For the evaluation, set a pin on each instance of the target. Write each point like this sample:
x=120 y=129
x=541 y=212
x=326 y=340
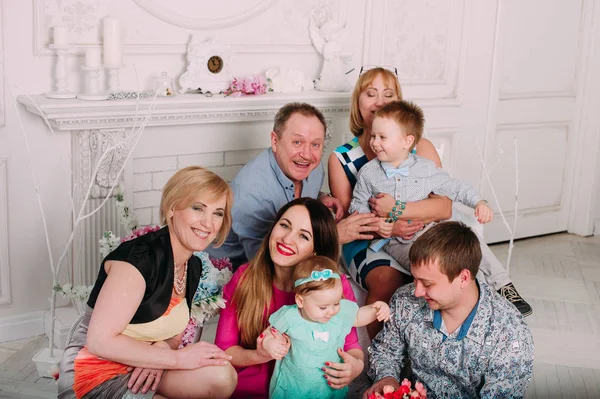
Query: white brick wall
x=204 y=160
x=146 y=199
x=159 y=179
x=144 y=216
x=142 y=182
x=156 y=215
x=241 y=157
x=151 y=174
x=154 y=164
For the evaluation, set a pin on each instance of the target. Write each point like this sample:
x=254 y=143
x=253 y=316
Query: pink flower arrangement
x=251 y=85
x=222 y=263
x=188 y=334
x=140 y=231
x=404 y=391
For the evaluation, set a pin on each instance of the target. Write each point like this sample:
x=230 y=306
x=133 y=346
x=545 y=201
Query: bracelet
x=397 y=209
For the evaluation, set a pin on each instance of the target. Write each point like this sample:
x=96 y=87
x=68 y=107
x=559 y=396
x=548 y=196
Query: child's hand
x=272 y=345
x=383 y=310
x=385 y=228
x=483 y=212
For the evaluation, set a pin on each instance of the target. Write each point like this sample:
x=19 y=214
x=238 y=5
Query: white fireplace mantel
x=95 y=126
x=185 y=109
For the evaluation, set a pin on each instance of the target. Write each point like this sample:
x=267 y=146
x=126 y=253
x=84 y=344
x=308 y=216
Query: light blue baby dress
x=299 y=374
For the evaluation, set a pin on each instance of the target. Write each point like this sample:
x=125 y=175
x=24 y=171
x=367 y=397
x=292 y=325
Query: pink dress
x=253 y=381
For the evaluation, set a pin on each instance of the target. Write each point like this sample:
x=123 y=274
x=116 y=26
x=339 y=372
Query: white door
x=485 y=73
x=535 y=87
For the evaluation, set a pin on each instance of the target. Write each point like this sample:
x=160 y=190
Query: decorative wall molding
x=21 y=326
x=83 y=17
x=529 y=70
x=186 y=109
x=2 y=110
x=164 y=12
x=92 y=144
x=428 y=55
x=4 y=264
x=504 y=96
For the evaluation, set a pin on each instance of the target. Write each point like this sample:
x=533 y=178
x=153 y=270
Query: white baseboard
x=21 y=326
x=64 y=320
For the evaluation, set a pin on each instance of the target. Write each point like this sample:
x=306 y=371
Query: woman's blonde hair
x=253 y=295
x=185 y=185
x=364 y=80
x=305 y=269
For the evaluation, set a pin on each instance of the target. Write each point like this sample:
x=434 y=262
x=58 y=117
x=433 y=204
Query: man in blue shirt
x=290 y=169
x=462 y=338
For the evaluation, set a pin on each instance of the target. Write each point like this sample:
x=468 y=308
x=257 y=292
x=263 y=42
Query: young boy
x=397 y=128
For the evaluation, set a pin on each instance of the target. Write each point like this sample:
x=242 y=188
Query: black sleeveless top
x=152 y=255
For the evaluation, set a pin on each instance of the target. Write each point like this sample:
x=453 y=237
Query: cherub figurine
x=328 y=39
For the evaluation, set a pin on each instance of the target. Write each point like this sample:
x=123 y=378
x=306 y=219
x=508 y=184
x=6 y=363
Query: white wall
x=456 y=58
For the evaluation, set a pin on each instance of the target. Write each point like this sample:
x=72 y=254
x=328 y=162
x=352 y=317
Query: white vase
x=43 y=361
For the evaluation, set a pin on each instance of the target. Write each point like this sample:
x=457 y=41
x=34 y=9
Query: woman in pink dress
x=302 y=228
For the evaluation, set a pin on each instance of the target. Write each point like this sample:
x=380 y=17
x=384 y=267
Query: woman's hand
x=382 y=204
x=339 y=375
x=406 y=229
x=358 y=226
x=201 y=354
x=333 y=204
x=385 y=228
x=147 y=379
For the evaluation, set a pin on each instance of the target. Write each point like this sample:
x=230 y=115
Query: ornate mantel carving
x=186 y=109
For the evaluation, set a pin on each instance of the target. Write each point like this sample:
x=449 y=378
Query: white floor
x=559 y=275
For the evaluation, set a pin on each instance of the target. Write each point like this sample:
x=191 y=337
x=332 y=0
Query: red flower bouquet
x=403 y=392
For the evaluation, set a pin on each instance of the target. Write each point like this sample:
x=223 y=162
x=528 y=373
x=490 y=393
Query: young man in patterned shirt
x=463 y=339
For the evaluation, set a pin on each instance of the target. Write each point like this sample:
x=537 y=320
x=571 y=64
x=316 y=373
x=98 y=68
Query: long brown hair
x=253 y=295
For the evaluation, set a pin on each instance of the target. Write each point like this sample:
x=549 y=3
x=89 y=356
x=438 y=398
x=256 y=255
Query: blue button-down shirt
x=260 y=189
x=489 y=356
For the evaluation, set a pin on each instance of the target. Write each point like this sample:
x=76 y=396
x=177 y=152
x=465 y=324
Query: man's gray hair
x=289 y=109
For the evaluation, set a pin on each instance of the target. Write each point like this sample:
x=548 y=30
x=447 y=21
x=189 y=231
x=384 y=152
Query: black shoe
x=510 y=293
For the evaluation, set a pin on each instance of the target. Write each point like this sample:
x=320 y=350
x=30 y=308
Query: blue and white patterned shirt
x=489 y=356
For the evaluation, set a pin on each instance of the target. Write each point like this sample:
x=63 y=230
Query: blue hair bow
x=317 y=275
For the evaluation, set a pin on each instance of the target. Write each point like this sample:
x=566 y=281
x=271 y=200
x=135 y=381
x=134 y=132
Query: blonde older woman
x=141 y=301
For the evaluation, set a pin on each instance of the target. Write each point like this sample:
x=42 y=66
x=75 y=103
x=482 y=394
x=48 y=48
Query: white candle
x=92 y=57
x=113 y=43
x=60 y=35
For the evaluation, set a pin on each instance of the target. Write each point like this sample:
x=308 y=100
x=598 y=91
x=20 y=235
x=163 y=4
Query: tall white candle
x=113 y=43
x=60 y=35
x=92 y=57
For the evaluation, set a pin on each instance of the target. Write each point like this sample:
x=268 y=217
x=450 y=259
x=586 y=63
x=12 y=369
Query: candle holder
x=113 y=77
x=93 y=92
x=62 y=91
